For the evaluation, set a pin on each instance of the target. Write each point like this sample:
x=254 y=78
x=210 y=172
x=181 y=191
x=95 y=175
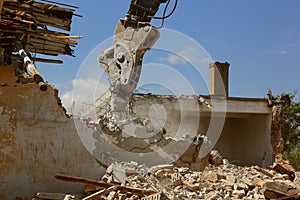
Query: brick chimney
x=219 y=73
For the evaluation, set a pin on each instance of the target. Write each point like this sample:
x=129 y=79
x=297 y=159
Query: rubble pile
x=130 y=181
x=215 y=182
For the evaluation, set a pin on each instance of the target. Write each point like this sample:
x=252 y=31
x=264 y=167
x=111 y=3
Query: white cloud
x=84 y=93
x=279 y=51
x=173 y=59
x=294 y=44
x=188 y=54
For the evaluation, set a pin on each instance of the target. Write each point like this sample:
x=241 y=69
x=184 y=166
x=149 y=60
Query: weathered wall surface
x=37 y=141
x=245 y=138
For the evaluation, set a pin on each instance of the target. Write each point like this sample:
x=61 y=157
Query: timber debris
x=25 y=29
x=29 y=22
x=130 y=181
x=25 y=34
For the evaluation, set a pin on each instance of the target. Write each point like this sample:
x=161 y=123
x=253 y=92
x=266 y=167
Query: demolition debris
x=29 y=22
x=25 y=27
x=130 y=181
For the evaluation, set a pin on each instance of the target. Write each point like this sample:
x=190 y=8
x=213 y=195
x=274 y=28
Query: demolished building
x=38 y=139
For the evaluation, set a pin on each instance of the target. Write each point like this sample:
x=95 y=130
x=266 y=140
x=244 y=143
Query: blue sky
x=259 y=38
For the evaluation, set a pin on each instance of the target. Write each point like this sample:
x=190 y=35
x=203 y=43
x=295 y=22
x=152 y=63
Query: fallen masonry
x=38 y=138
x=31 y=120
x=130 y=181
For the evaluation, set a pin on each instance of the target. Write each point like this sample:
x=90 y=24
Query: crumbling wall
x=276 y=137
x=245 y=138
x=37 y=141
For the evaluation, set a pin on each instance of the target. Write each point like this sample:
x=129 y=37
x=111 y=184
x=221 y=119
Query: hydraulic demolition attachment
x=133 y=36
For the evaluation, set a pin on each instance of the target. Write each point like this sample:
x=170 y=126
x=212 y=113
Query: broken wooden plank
x=63 y=24
x=101 y=193
x=39 y=7
x=43 y=14
x=54 y=196
x=91 y=188
x=50 y=61
x=22 y=30
x=113 y=195
x=53 y=47
x=1 y=6
x=20 y=16
x=46 y=43
x=265 y=172
x=58 y=49
x=61 y=38
x=62 y=4
x=103 y=185
x=70 y=37
x=53 y=19
x=46 y=52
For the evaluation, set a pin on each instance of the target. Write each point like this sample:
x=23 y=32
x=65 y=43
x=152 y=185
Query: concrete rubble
x=35 y=116
x=29 y=117
x=218 y=181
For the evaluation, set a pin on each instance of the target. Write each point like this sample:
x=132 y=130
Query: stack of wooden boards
x=29 y=22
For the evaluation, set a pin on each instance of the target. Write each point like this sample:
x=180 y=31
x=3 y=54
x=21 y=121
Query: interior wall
x=246 y=140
